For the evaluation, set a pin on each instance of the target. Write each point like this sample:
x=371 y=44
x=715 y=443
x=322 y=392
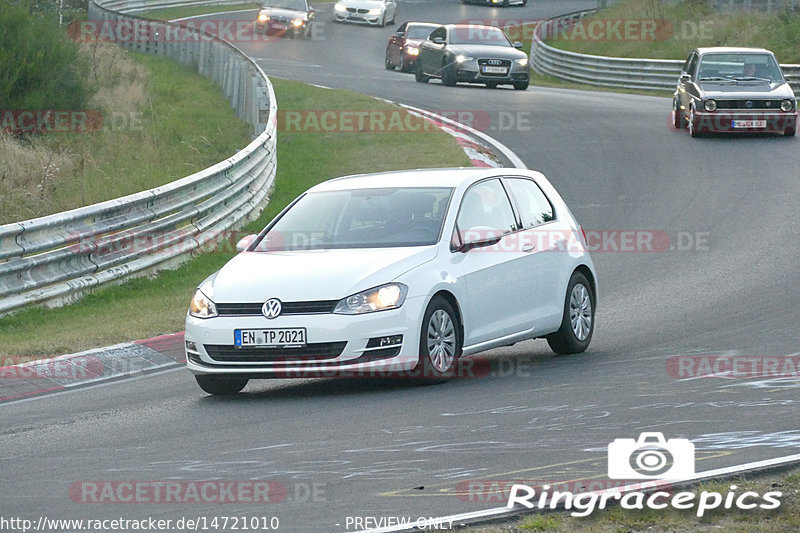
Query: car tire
x=693 y=130
x=440 y=342
x=677 y=116
x=419 y=75
x=491 y=84
x=388 y=62
x=402 y=67
x=789 y=132
x=219 y=385
x=521 y=85
x=578 y=317
x=383 y=21
x=309 y=30
x=505 y=3
x=449 y=74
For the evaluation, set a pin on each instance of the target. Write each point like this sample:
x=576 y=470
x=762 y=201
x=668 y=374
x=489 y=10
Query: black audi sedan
x=723 y=89
x=282 y=17
x=472 y=53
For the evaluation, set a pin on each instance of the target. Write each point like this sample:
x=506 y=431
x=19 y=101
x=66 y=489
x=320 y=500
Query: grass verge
x=144 y=307
x=616 y=519
x=679 y=27
x=147 y=102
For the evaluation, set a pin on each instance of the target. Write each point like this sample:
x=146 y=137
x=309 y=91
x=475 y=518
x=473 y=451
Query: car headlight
x=262 y=17
x=710 y=105
x=297 y=23
x=340 y=8
x=461 y=58
x=201 y=306
x=522 y=61
x=787 y=105
x=412 y=51
x=389 y=296
x=375 y=11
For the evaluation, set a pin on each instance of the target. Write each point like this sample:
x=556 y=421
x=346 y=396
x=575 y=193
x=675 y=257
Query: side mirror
x=438 y=40
x=685 y=77
x=479 y=237
x=517 y=44
x=244 y=243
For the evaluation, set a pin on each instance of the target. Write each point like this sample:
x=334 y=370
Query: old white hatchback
x=398 y=272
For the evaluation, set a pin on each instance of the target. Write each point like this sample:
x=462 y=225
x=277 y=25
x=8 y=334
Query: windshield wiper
x=751 y=78
x=714 y=78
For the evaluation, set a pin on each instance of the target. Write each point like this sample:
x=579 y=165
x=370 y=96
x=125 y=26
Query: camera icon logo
x=651 y=457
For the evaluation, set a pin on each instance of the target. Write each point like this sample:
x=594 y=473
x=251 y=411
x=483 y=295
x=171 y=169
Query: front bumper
x=360 y=18
x=721 y=121
x=278 y=26
x=471 y=72
x=344 y=336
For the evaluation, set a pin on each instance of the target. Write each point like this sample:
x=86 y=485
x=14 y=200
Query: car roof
x=430 y=24
x=438 y=177
x=732 y=50
x=471 y=26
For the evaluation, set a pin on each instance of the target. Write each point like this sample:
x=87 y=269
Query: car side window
x=438 y=32
x=534 y=207
x=402 y=29
x=486 y=205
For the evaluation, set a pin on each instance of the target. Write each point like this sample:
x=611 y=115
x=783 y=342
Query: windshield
x=299 y=5
x=739 y=67
x=419 y=32
x=360 y=218
x=468 y=34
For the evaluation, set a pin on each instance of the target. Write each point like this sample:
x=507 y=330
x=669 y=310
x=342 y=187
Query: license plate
x=495 y=70
x=278 y=26
x=748 y=123
x=270 y=337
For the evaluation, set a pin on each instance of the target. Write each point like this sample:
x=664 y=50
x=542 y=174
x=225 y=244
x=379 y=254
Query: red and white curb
x=36 y=377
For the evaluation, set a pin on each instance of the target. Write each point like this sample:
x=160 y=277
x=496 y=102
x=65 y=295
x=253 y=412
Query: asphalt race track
x=724 y=284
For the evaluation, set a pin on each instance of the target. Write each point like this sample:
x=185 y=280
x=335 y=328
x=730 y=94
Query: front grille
x=754 y=104
x=287 y=308
x=309 y=352
x=506 y=63
x=354 y=10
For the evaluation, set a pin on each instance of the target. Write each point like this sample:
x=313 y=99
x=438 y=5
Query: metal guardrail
x=650 y=74
x=57 y=258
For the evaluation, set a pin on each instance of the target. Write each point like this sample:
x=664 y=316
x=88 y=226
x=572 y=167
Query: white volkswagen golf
x=397 y=272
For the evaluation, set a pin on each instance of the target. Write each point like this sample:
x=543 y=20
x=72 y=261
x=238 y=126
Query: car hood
x=749 y=89
x=364 y=4
x=282 y=12
x=311 y=274
x=486 y=50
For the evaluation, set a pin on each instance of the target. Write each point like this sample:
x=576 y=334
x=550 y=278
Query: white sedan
x=397 y=272
x=375 y=12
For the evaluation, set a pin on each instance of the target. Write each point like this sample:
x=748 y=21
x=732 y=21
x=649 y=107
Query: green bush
x=40 y=67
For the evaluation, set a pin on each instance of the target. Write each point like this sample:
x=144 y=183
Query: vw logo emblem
x=748 y=104
x=271 y=308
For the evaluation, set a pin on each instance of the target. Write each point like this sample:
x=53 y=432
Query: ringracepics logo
x=652 y=459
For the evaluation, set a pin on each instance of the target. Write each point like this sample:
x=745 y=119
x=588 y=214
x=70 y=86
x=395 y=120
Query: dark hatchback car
x=474 y=54
x=403 y=48
x=734 y=90
x=292 y=17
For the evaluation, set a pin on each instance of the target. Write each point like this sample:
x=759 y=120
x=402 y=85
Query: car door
x=543 y=240
x=432 y=57
x=396 y=42
x=497 y=293
x=391 y=10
